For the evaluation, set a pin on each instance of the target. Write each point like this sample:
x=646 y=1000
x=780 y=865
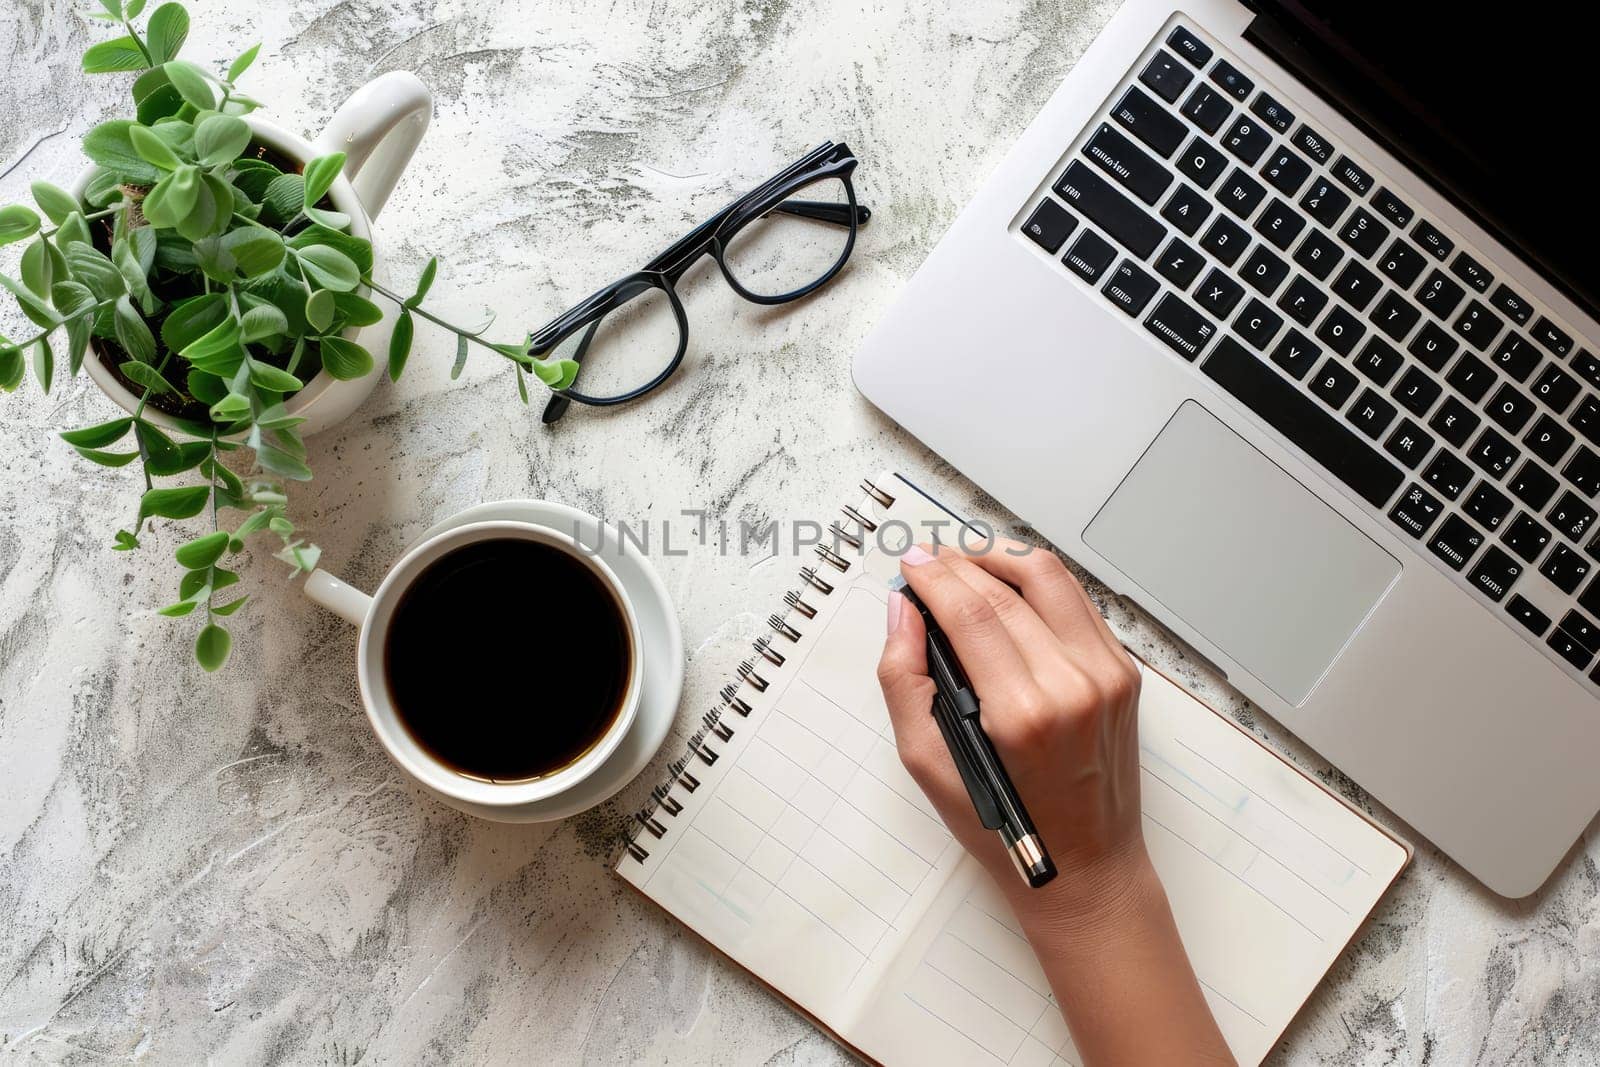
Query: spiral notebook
x=789 y=836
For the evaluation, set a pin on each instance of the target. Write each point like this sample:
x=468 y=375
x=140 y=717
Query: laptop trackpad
x=1241 y=551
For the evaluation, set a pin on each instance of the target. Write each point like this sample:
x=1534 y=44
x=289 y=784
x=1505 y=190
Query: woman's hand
x=1059 y=699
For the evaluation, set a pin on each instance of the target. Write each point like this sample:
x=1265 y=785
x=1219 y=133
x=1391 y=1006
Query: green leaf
x=178 y=610
x=283 y=199
x=229 y=608
x=359 y=250
x=202 y=551
x=277 y=417
x=44 y=363
x=281 y=462
x=345 y=360
x=183 y=503
x=256 y=249
x=17 y=223
x=191 y=320
x=329 y=268
x=160 y=451
x=424 y=283
x=220 y=139
x=132 y=333
x=168 y=29
x=191 y=83
x=124 y=541
x=400 y=345
x=173 y=198
x=242 y=64
x=263 y=321
x=320 y=307
x=111 y=146
x=126 y=258
x=266 y=376
x=78 y=334
x=12 y=365
x=38 y=312
x=113 y=8
x=334 y=220
x=74 y=230
x=202 y=219
x=230 y=408
x=108 y=459
x=320 y=173
x=251 y=176
x=100 y=434
x=357 y=310
x=54 y=201
x=195 y=584
x=38 y=267
x=152 y=149
x=105 y=187
x=206 y=388
x=220 y=339
x=522 y=384
x=108 y=57
x=146 y=375
x=132 y=8
x=461 y=357
x=302 y=557
x=184 y=457
x=212 y=646
x=556 y=373
x=89 y=266
x=154 y=98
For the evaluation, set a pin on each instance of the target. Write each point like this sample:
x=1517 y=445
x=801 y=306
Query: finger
x=1052 y=592
x=981 y=642
x=907 y=689
x=1039 y=644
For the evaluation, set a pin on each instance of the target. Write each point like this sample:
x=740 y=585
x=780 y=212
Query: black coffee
x=507 y=659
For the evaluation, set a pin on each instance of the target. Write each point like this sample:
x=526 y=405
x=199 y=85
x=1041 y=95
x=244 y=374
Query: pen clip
x=960 y=751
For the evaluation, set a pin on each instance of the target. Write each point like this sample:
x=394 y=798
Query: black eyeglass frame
x=711 y=237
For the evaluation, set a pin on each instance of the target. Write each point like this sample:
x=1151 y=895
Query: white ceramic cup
x=501 y=801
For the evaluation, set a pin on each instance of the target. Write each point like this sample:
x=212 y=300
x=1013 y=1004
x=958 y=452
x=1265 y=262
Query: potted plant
x=216 y=277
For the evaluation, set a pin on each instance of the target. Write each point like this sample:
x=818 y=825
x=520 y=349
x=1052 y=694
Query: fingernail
x=897 y=601
x=915 y=557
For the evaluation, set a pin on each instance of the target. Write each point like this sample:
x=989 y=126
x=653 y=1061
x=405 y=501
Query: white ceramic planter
x=378 y=129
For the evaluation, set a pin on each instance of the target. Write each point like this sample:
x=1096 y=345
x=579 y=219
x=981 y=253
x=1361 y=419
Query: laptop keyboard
x=1312 y=291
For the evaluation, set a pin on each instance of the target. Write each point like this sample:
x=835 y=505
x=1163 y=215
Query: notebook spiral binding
x=713 y=727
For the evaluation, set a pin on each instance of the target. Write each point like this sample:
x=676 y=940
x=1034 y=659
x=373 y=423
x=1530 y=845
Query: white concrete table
x=227 y=867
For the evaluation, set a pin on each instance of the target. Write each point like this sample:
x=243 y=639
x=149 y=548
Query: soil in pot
x=172 y=280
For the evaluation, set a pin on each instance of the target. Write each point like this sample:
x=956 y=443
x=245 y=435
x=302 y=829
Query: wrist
x=1091 y=899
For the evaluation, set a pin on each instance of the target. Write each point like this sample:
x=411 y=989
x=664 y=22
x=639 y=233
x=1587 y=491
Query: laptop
x=1283 y=319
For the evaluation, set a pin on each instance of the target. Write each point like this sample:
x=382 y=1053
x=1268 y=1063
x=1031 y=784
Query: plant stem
x=475 y=338
x=148 y=58
x=45 y=235
x=74 y=317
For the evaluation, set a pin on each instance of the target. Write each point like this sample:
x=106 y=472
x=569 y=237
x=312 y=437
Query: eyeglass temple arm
x=826 y=211
x=557 y=405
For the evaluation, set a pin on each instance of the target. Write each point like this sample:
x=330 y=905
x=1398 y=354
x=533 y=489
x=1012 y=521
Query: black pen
x=955 y=709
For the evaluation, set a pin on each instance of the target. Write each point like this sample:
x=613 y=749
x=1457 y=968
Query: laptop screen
x=1494 y=105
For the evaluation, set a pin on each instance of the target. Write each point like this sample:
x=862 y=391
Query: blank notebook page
x=809 y=856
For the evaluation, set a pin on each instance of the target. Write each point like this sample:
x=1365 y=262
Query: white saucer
x=658 y=630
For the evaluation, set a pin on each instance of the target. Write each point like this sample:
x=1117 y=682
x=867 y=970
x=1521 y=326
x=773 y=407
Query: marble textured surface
x=227 y=868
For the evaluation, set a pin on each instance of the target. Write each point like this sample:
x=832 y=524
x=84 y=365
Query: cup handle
x=347 y=602
x=378 y=129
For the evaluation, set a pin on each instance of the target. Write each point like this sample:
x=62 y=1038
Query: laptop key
x=1495 y=574
x=1569 y=649
x=1179 y=264
x=1340 y=330
x=1394 y=315
x=1470 y=377
x=1401 y=263
x=1533 y=485
x=1378 y=361
x=1526 y=537
x=1585 y=418
x=1440 y=295
x=1415 y=511
x=1263 y=271
x=1587 y=367
x=1512 y=304
x=1571 y=516
x=1556 y=388
x=1312 y=144
x=1285 y=171
x=1231 y=79
x=1565 y=568
x=1409 y=444
x=1510 y=408
x=1247 y=138
x=1488 y=506
x=1219 y=293
x=1190 y=47
x=1583 y=471
x=1050 y=225
x=1302 y=301
x=1579 y=627
x=1432 y=346
x=1201 y=163
x=1179 y=326
x=1314 y=431
x=1333 y=383
x=1552 y=337
x=1225 y=240
x=1149 y=121
x=1240 y=193
x=1356 y=285
x=1431 y=240
x=1472 y=272
x=1392 y=207
x=1351 y=174
x=1119 y=217
x=1207 y=108
x=1272 y=113
x=1325 y=202
x=1416 y=392
x=1371 y=414
x=1528 y=615
x=1447 y=475
x=1455 y=542
x=1454 y=421
x=1166 y=77
x=1516 y=357
x=1493 y=454
x=1130 y=165
x=1130 y=288
x=1258 y=324
x=1280 y=223
x=1318 y=254
x=1478 y=325
x=1090 y=256
x=1589 y=599
x=1186 y=209
x=1548 y=440
x=1296 y=354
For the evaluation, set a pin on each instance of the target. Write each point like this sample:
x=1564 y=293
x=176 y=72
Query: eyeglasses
x=782 y=240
